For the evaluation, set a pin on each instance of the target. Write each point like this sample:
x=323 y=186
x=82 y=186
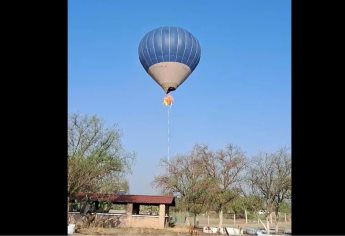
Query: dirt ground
x=134 y=231
x=177 y=230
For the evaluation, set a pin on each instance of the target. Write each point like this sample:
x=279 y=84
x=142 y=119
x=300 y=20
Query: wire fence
x=229 y=219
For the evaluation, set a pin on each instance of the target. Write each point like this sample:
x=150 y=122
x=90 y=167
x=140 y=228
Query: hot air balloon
x=169 y=55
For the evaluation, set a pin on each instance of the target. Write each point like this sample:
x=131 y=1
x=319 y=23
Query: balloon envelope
x=169 y=55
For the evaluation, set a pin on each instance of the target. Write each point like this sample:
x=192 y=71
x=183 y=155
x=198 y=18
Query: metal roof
x=141 y=199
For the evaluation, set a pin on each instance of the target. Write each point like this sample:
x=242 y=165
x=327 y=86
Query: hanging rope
x=169 y=133
x=168 y=101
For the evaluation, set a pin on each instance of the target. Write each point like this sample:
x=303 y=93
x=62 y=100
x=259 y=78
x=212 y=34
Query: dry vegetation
x=133 y=231
x=178 y=230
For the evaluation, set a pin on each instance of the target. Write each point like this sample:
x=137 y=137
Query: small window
x=149 y=210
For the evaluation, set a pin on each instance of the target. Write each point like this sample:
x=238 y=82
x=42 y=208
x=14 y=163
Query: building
x=132 y=215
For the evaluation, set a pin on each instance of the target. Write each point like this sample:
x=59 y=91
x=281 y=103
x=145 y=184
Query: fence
x=229 y=219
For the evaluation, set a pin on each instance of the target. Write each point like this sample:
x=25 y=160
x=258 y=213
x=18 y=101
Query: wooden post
x=220 y=219
x=285 y=217
x=186 y=221
x=234 y=218
x=245 y=214
x=208 y=219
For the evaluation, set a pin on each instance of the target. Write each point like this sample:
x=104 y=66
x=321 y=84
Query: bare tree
x=204 y=179
x=270 y=178
x=95 y=156
x=185 y=177
x=224 y=168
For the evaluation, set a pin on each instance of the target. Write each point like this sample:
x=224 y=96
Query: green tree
x=249 y=203
x=97 y=161
x=285 y=207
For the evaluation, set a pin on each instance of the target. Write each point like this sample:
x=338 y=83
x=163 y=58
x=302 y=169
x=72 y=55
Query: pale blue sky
x=240 y=92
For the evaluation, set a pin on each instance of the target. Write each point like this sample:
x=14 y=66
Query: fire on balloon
x=168 y=100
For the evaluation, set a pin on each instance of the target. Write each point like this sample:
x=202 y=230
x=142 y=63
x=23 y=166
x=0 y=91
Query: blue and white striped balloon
x=169 y=55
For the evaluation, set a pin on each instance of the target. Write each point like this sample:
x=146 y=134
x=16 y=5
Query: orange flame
x=168 y=100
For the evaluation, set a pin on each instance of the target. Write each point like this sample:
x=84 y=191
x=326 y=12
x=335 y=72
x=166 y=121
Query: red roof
x=141 y=199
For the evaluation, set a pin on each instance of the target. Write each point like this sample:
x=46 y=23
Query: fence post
x=245 y=213
x=208 y=219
